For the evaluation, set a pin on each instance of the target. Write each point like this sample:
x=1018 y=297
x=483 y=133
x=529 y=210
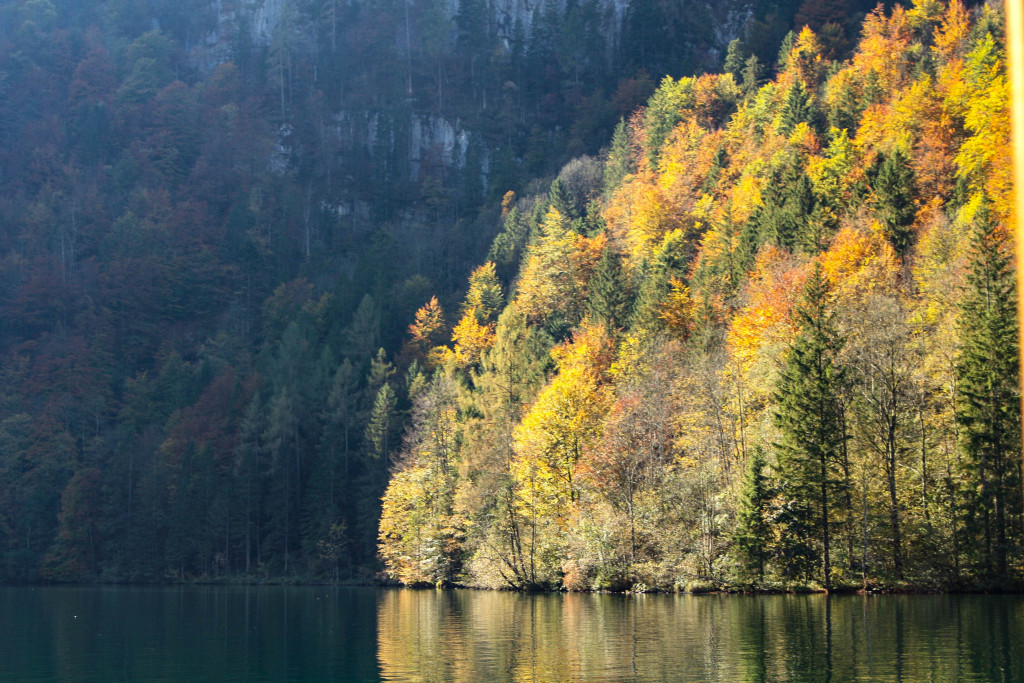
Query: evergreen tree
x=558 y=197
x=736 y=57
x=247 y=472
x=620 y=159
x=894 y=187
x=655 y=282
x=378 y=431
x=809 y=417
x=797 y=108
x=784 y=49
x=751 y=76
x=988 y=406
x=281 y=438
x=609 y=291
x=789 y=204
x=752 y=534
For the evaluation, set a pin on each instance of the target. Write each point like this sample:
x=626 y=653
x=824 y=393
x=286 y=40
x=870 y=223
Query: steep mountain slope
x=777 y=348
x=213 y=218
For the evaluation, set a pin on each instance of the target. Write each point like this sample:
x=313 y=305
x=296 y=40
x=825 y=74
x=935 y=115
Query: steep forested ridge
x=213 y=216
x=234 y=248
x=771 y=342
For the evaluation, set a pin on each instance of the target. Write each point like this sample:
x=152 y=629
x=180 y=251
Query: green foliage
x=736 y=57
x=809 y=418
x=610 y=298
x=753 y=532
x=201 y=263
x=620 y=159
x=787 y=212
x=664 y=111
x=894 y=190
x=798 y=107
x=987 y=403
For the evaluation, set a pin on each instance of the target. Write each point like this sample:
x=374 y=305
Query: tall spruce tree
x=809 y=417
x=620 y=161
x=609 y=296
x=787 y=215
x=752 y=529
x=894 y=187
x=989 y=401
x=797 y=108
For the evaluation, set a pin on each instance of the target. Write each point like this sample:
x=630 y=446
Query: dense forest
x=214 y=215
x=761 y=332
x=769 y=341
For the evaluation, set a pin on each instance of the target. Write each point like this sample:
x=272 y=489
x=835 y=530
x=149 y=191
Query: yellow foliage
x=940 y=264
x=860 y=263
x=883 y=48
x=805 y=58
x=557 y=270
x=564 y=421
x=803 y=139
x=639 y=214
x=471 y=339
x=924 y=13
x=677 y=311
x=745 y=199
x=415 y=524
x=484 y=294
x=951 y=37
x=984 y=156
x=834 y=175
x=632 y=360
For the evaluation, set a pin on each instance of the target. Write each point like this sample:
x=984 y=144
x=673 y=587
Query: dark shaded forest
x=217 y=223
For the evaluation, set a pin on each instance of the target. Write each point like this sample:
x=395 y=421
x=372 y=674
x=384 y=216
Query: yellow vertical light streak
x=1015 y=52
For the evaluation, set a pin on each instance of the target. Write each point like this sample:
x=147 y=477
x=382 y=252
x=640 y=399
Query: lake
x=273 y=633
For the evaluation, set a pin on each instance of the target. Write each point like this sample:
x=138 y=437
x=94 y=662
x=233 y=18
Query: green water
x=322 y=634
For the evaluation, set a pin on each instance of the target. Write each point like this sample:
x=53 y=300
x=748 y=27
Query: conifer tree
x=809 y=417
x=784 y=49
x=752 y=530
x=559 y=198
x=893 y=188
x=609 y=293
x=797 y=108
x=989 y=402
x=378 y=432
x=785 y=218
x=735 y=57
x=655 y=282
x=752 y=76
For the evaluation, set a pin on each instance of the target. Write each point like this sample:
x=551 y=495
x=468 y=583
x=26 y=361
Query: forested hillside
x=234 y=309
x=770 y=340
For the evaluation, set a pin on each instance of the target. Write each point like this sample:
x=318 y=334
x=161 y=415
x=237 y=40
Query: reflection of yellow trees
x=494 y=636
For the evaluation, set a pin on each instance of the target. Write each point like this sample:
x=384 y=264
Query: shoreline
x=726 y=591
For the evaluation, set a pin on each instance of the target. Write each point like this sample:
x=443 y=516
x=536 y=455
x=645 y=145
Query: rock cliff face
x=420 y=133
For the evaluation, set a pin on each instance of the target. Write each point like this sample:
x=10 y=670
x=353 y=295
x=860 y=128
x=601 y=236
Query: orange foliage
x=428 y=322
x=767 y=320
x=951 y=37
x=860 y=263
x=883 y=48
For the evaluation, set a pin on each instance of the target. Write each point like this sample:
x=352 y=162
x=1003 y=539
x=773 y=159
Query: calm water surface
x=322 y=634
